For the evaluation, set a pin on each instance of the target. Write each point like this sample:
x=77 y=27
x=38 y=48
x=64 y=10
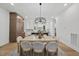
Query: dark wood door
x=12 y=27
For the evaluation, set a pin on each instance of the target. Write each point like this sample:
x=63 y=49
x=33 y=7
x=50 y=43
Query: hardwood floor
x=67 y=50
x=6 y=49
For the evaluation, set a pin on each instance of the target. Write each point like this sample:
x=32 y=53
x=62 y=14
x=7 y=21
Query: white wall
x=4 y=27
x=67 y=23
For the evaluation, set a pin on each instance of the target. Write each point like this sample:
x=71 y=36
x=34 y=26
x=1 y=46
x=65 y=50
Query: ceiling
x=33 y=9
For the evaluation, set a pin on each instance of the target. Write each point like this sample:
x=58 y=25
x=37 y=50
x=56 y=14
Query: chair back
x=19 y=38
x=38 y=45
x=51 y=46
x=25 y=44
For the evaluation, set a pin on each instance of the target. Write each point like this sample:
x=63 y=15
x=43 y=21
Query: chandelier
x=40 y=19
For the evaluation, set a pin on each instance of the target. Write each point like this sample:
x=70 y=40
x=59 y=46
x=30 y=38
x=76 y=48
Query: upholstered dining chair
x=38 y=48
x=19 y=38
x=26 y=48
x=51 y=48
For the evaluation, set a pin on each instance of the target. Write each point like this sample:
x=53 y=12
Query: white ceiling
x=33 y=9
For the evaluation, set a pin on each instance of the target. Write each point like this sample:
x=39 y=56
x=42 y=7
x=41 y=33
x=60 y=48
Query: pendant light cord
x=40 y=11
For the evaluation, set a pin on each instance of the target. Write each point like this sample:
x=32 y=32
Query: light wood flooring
x=67 y=50
x=6 y=49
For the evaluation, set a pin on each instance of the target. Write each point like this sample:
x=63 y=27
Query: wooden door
x=12 y=27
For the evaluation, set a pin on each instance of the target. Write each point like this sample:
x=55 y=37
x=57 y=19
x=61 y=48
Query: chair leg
x=33 y=53
x=43 y=53
x=17 y=48
x=47 y=53
x=20 y=51
x=30 y=53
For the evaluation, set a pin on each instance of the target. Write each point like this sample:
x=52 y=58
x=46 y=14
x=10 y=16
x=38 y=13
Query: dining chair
x=38 y=48
x=26 y=48
x=51 y=48
x=18 y=43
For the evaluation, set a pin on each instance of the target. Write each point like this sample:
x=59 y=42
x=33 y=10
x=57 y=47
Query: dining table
x=34 y=38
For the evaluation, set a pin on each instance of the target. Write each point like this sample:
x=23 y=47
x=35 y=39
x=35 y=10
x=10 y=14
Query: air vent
x=74 y=38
